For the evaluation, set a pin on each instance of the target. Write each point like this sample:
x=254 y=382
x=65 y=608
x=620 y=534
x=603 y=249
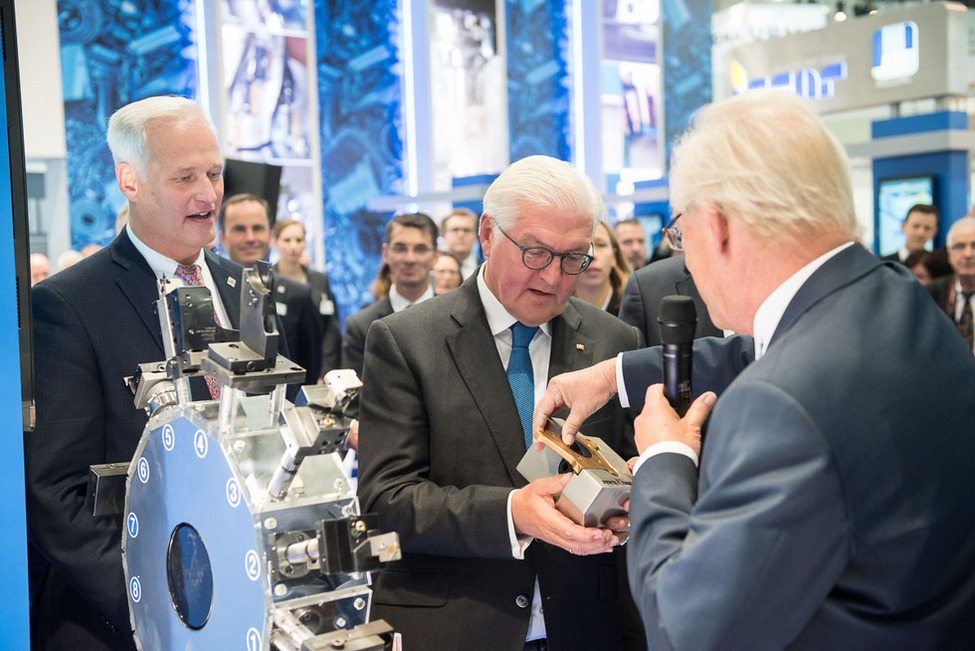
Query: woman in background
x=289 y=240
x=603 y=282
x=446 y=274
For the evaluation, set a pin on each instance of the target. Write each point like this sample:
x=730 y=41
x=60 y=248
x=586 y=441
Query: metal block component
x=106 y=489
x=601 y=479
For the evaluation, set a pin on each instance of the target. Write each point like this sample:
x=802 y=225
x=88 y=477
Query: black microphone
x=677 y=321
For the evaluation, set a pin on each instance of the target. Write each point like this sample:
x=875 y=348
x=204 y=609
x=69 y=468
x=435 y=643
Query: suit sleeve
x=745 y=564
x=70 y=435
x=353 y=345
x=715 y=363
x=395 y=466
x=332 y=334
x=309 y=344
x=631 y=306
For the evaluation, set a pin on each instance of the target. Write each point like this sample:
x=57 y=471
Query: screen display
x=895 y=196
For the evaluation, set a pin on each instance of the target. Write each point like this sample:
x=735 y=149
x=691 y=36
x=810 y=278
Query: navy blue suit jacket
x=93 y=324
x=833 y=507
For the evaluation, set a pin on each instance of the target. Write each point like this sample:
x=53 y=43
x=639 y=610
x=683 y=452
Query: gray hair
x=765 y=159
x=127 y=126
x=964 y=221
x=541 y=181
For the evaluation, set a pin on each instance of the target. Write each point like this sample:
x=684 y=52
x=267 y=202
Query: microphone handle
x=677 y=376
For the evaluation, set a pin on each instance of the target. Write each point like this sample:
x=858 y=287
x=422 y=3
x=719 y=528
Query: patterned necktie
x=520 y=376
x=965 y=323
x=192 y=275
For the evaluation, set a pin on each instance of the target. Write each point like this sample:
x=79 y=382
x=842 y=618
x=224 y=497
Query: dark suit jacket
x=439 y=440
x=648 y=285
x=356 y=327
x=892 y=257
x=326 y=308
x=93 y=324
x=302 y=325
x=939 y=289
x=833 y=508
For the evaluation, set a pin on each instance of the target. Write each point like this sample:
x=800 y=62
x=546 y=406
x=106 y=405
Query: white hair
x=766 y=159
x=541 y=181
x=128 y=125
x=964 y=221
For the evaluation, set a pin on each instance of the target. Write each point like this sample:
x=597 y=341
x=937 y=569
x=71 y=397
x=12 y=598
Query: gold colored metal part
x=552 y=437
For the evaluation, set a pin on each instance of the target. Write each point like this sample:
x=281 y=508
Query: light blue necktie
x=520 y=376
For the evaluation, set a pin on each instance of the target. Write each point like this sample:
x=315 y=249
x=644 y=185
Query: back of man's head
x=766 y=159
x=541 y=181
x=128 y=125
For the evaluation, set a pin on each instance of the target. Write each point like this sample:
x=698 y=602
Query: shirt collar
x=770 y=312
x=498 y=318
x=399 y=302
x=160 y=264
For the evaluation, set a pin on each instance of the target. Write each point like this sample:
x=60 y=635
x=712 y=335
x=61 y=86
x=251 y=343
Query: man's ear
x=128 y=180
x=385 y=254
x=718 y=228
x=484 y=234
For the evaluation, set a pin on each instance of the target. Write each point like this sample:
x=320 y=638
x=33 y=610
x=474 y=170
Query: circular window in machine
x=190 y=576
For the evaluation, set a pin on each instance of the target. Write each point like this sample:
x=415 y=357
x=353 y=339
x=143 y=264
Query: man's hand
x=352 y=440
x=534 y=514
x=583 y=392
x=659 y=422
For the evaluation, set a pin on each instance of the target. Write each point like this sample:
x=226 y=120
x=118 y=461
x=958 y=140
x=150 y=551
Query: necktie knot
x=522 y=335
x=189 y=274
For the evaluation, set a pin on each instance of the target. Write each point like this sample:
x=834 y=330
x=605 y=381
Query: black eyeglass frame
x=673 y=234
x=583 y=265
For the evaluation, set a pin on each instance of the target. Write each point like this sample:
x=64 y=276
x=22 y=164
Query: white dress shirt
x=540 y=351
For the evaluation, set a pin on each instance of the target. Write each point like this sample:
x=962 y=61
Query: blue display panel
x=361 y=137
x=114 y=52
x=686 y=32
x=538 y=78
x=895 y=196
x=14 y=318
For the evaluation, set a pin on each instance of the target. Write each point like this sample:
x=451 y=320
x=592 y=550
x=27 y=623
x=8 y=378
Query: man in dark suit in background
x=648 y=285
x=410 y=250
x=955 y=293
x=245 y=235
x=832 y=506
x=488 y=562
x=920 y=225
x=94 y=323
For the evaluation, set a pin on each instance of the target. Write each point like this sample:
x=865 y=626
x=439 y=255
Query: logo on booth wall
x=896 y=52
x=809 y=83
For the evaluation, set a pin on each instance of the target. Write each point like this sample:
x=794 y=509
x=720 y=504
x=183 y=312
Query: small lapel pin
x=580 y=346
x=232 y=281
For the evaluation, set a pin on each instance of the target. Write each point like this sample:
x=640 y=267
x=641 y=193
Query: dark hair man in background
x=919 y=227
x=633 y=242
x=410 y=250
x=245 y=236
x=94 y=323
x=459 y=233
x=830 y=506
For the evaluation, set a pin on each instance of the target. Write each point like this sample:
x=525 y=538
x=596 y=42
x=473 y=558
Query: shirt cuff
x=518 y=543
x=664 y=447
x=620 y=385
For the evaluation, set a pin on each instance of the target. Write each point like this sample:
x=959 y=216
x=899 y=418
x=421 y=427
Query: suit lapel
x=476 y=358
x=571 y=350
x=138 y=283
x=227 y=276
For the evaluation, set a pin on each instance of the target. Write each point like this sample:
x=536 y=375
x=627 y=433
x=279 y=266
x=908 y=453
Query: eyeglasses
x=674 y=235
x=461 y=230
x=538 y=257
x=957 y=247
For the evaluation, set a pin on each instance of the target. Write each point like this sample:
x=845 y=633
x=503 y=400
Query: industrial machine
x=242 y=529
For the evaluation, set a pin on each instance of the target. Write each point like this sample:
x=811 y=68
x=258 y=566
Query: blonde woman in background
x=603 y=282
x=289 y=240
